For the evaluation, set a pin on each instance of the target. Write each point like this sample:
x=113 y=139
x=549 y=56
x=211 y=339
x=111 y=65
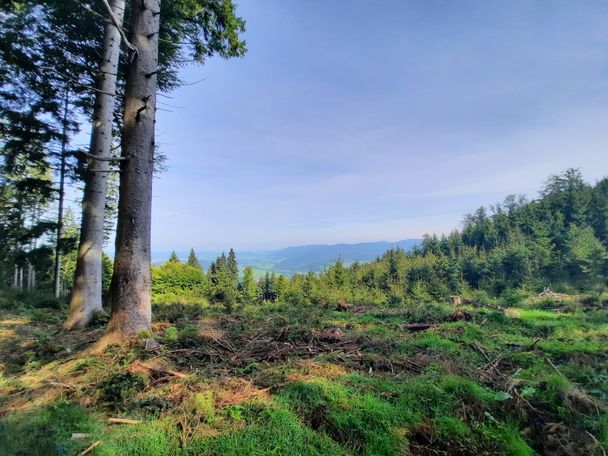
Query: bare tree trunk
x=86 y=295
x=130 y=288
x=57 y=266
x=29 y=282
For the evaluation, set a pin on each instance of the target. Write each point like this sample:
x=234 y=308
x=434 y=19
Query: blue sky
x=353 y=121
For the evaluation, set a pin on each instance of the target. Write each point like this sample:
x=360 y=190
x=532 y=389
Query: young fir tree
x=173 y=258
x=222 y=288
x=233 y=267
x=248 y=287
x=268 y=287
x=193 y=260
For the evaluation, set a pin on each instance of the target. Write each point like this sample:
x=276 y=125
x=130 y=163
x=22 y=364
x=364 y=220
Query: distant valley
x=302 y=258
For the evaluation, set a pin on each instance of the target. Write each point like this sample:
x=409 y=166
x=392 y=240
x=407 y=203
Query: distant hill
x=301 y=258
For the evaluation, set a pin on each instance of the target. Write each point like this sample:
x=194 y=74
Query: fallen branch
x=554 y=367
x=416 y=326
x=89 y=449
x=123 y=421
x=533 y=344
x=62 y=385
x=598 y=444
x=494 y=364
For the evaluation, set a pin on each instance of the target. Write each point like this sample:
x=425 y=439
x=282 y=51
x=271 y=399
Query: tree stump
x=455 y=300
x=343 y=305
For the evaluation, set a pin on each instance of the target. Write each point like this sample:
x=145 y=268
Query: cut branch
x=95 y=157
x=116 y=23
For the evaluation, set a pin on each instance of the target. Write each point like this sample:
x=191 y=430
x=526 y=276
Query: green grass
x=46 y=431
x=356 y=395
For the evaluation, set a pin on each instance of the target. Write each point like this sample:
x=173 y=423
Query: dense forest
x=556 y=241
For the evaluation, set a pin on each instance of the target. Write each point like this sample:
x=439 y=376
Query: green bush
x=177 y=279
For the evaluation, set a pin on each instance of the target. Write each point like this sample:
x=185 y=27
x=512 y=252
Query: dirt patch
x=557 y=439
x=237 y=390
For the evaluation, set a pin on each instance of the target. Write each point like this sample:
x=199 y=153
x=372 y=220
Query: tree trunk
x=30 y=282
x=86 y=294
x=130 y=288
x=58 y=246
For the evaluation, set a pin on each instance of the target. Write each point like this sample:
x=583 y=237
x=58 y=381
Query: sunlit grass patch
x=274 y=431
x=360 y=421
x=308 y=370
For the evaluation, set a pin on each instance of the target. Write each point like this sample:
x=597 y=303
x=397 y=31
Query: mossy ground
x=528 y=379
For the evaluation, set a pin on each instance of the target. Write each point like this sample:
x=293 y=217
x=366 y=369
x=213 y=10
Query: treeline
x=558 y=240
x=175 y=281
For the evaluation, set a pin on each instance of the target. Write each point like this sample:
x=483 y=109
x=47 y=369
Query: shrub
x=178 y=279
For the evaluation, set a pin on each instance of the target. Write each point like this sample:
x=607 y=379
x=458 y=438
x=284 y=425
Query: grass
x=300 y=380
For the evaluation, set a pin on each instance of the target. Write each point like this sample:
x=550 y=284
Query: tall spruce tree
x=86 y=298
x=130 y=287
x=233 y=267
x=211 y=27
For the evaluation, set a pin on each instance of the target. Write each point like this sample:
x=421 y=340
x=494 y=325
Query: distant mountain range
x=301 y=258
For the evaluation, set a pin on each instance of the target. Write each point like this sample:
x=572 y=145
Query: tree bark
x=86 y=298
x=130 y=288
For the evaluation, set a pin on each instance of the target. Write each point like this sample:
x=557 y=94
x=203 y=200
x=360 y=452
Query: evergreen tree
x=268 y=287
x=233 y=266
x=281 y=287
x=223 y=288
x=87 y=293
x=193 y=260
x=173 y=258
x=248 y=287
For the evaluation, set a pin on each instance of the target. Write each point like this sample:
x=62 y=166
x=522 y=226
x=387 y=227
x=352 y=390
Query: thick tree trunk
x=86 y=294
x=130 y=288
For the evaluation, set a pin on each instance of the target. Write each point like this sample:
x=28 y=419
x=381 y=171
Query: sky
x=355 y=121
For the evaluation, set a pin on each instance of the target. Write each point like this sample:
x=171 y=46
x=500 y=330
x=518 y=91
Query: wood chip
x=79 y=436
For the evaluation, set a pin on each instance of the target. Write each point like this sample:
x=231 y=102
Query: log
x=416 y=326
x=123 y=421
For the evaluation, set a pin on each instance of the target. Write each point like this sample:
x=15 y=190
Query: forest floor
x=430 y=379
